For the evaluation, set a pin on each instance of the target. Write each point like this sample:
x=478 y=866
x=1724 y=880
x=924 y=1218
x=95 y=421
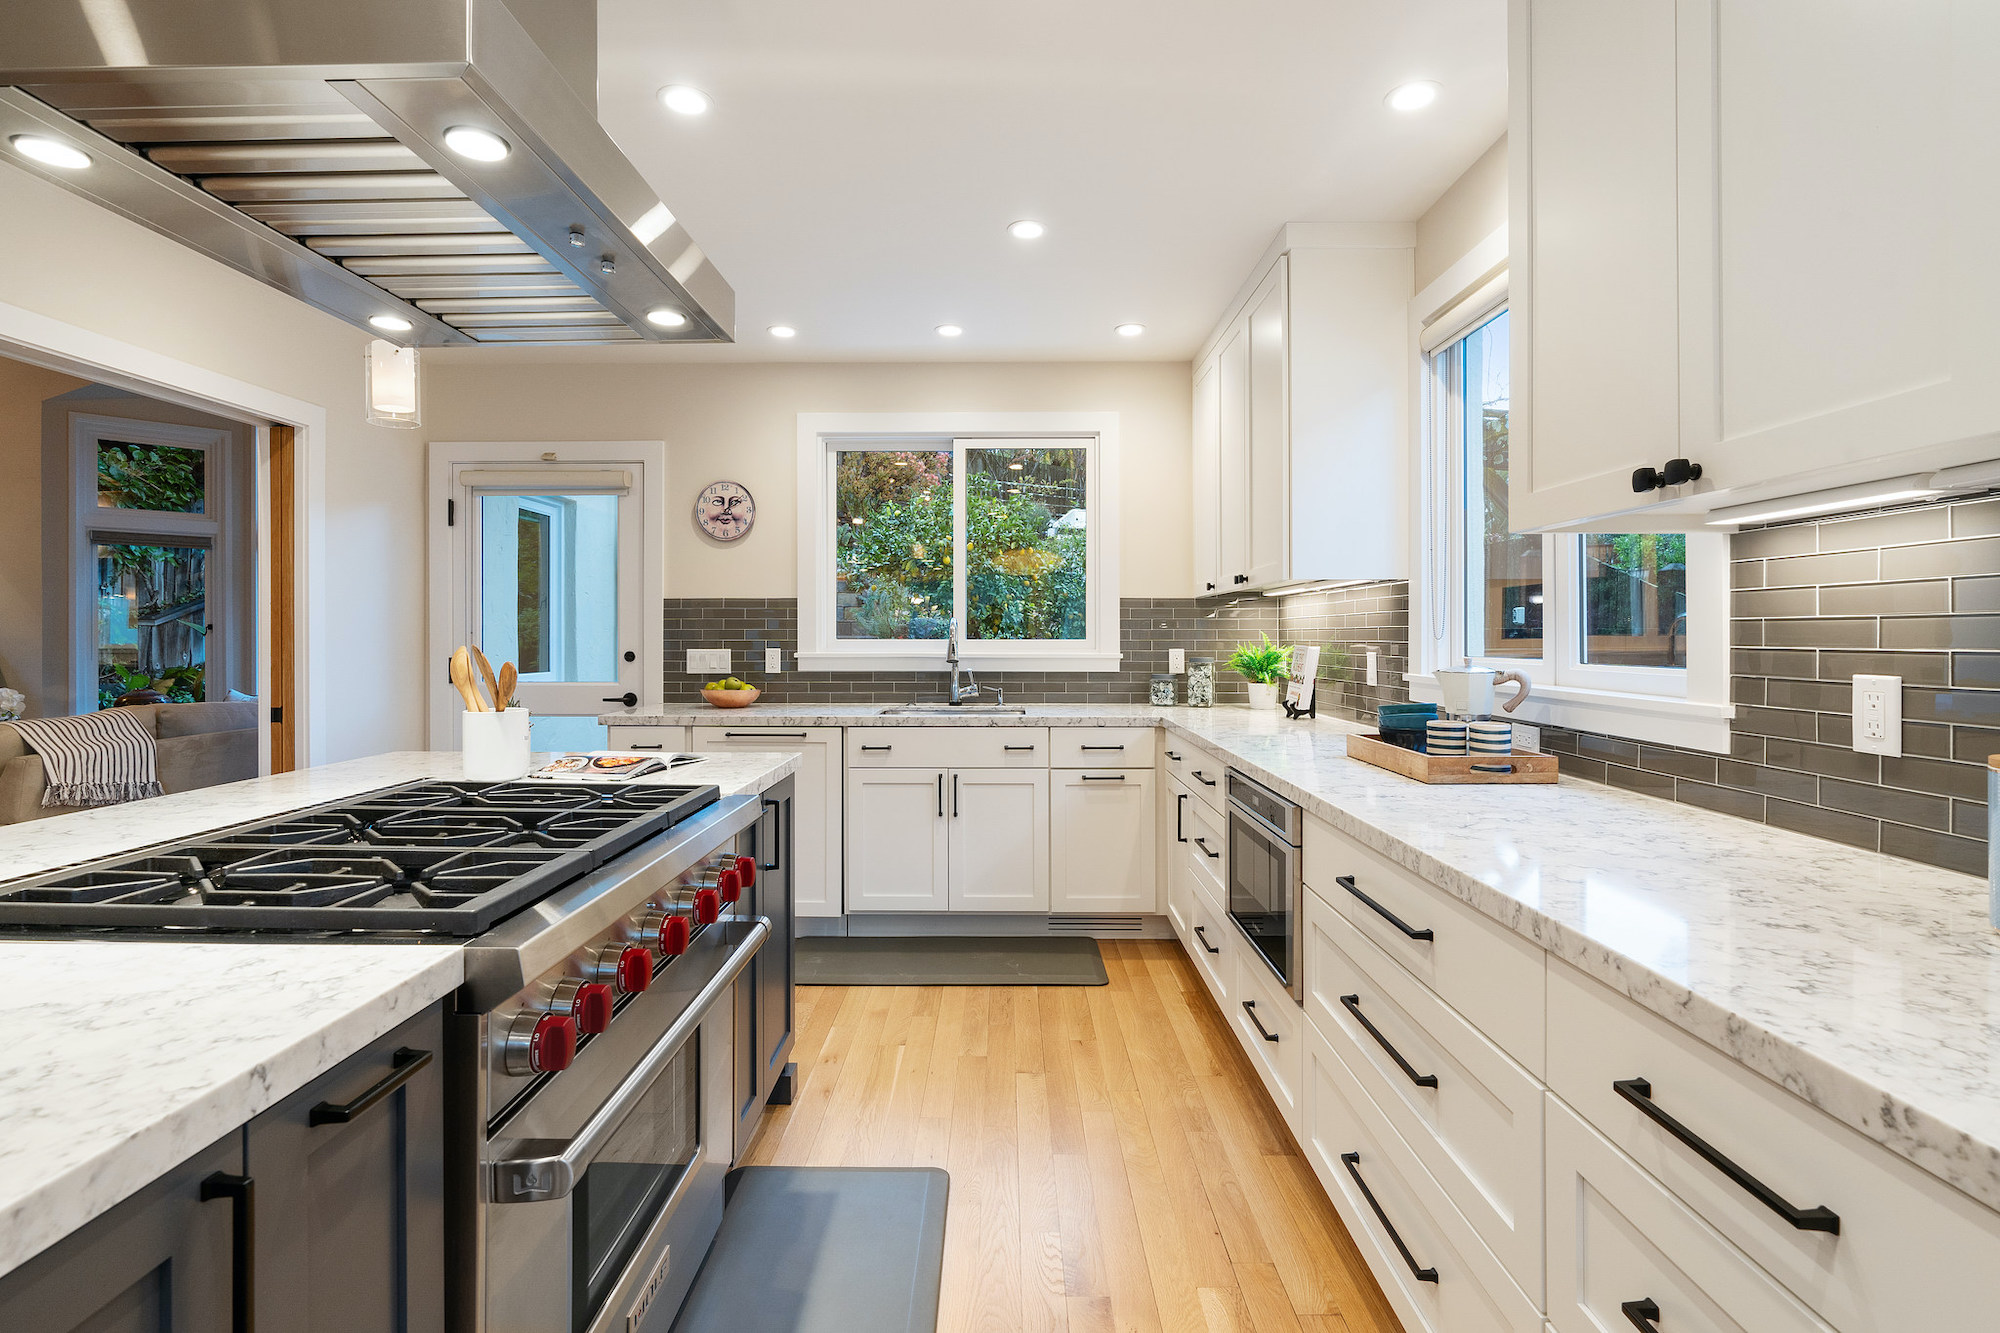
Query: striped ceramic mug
x=1444 y=737
x=1490 y=738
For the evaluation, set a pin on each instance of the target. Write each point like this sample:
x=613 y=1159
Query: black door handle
x=1179 y=810
x=1203 y=844
x=883 y=748
x=940 y=796
x=1206 y=782
x=1029 y=748
x=404 y=1065
x=1170 y=754
x=1353 y=1003
x=655 y=746
x=1644 y=1314
x=1347 y=882
x=629 y=699
x=1352 y=1161
x=775 y=809
x=764 y=735
x=1250 y=1008
x=954 y=796
x=1639 y=1092
x=1202 y=931
x=241 y=1191
x=1100 y=777
x=1101 y=747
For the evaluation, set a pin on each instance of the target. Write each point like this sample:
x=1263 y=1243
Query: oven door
x=602 y=1196
x=1264 y=894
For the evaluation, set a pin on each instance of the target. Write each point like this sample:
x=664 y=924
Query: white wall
x=1472 y=208
x=71 y=261
x=22 y=390
x=740 y=422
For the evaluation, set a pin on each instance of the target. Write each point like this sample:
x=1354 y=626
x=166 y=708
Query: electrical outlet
x=1528 y=737
x=774 y=661
x=1878 y=714
x=1373 y=656
x=1176 y=661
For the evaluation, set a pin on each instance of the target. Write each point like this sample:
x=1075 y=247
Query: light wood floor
x=1115 y=1165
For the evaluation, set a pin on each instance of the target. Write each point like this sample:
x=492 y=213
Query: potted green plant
x=1263 y=665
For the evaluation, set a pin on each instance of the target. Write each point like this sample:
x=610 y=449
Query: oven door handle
x=549 y=1168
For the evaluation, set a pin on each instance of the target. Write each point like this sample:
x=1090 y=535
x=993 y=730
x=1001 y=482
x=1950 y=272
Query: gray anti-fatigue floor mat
x=950 y=960
x=810 y=1249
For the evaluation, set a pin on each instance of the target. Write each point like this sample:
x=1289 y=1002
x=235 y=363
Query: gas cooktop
x=438 y=858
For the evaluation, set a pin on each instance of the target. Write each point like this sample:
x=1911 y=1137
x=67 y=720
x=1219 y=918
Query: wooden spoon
x=507 y=680
x=461 y=680
x=486 y=674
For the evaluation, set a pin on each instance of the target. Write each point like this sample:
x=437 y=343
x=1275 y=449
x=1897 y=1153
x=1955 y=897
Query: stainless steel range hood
x=304 y=143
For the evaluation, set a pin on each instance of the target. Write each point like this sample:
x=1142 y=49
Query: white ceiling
x=862 y=159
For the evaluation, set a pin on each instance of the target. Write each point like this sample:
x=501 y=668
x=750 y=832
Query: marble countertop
x=1867 y=985
x=171 y=1045
x=871 y=715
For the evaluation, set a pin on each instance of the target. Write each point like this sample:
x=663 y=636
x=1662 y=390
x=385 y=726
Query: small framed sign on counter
x=1301 y=685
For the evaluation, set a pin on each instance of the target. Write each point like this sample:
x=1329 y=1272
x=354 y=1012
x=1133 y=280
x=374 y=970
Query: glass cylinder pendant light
x=389 y=384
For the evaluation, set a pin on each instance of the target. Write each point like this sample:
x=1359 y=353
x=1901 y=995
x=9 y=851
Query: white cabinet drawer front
x=1469 y=1112
x=1623 y=1253
x=1213 y=948
x=786 y=739
x=1198 y=770
x=1272 y=1029
x=668 y=740
x=947 y=747
x=1441 y=1279
x=1102 y=747
x=1485 y=971
x=1910 y=1253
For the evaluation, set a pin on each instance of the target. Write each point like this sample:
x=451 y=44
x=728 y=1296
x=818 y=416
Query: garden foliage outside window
x=152 y=613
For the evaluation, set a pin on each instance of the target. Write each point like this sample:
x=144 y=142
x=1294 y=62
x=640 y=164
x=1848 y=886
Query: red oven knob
x=728 y=887
x=588 y=1002
x=746 y=871
x=707 y=906
x=635 y=970
x=674 y=936
x=540 y=1043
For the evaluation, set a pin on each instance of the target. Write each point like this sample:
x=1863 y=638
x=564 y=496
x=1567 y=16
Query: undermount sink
x=948 y=710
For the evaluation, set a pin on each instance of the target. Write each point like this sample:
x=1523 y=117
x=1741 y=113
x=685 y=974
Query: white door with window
x=551 y=557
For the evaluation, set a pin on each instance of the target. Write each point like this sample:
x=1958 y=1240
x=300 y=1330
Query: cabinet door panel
x=1101 y=845
x=999 y=840
x=897 y=848
x=1207 y=492
x=1270 y=433
x=815 y=805
x=1232 y=369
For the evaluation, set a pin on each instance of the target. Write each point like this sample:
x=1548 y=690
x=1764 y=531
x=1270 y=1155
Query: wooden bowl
x=731 y=698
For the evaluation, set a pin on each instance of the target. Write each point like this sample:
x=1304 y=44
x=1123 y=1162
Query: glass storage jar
x=1201 y=682
x=1161 y=689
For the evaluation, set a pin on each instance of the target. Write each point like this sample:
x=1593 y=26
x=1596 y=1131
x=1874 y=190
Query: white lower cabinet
x=1432 y=1266
x=898 y=840
x=1101 y=849
x=999 y=834
x=1623 y=1253
x=816 y=812
x=1272 y=1028
x=1214 y=946
x=665 y=739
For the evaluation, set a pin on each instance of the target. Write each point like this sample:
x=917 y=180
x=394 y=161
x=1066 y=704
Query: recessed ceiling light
x=476 y=144
x=50 y=152
x=684 y=100
x=390 y=323
x=666 y=317
x=949 y=330
x=1130 y=330
x=1027 y=229
x=783 y=331
x=1413 y=96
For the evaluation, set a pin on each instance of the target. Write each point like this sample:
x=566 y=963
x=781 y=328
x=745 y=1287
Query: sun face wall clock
x=725 y=510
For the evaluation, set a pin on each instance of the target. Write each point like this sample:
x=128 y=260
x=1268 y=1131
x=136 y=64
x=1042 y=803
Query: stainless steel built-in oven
x=1265 y=876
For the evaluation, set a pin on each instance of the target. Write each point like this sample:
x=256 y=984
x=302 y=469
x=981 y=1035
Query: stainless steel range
x=626 y=1015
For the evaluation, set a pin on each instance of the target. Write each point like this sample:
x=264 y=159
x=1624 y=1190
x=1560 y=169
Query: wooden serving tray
x=1453 y=769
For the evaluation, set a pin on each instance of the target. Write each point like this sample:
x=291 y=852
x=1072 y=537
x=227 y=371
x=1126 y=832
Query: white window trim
x=1694 y=711
x=819 y=435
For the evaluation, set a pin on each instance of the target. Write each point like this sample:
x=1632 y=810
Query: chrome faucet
x=958 y=693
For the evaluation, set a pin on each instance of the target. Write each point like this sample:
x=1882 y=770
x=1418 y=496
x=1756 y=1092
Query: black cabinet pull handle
x=404 y=1065
x=1170 y=754
x=1353 y=1003
x=1202 y=931
x=940 y=796
x=1250 y=1008
x=1203 y=844
x=764 y=735
x=883 y=748
x=629 y=699
x=241 y=1191
x=1645 y=1314
x=775 y=809
x=1102 y=747
x=954 y=796
x=1180 y=808
x=1028 y=748
x=1103 y=777
x=1352 y=1161
x=1206 y=782
x=1347 y=882
x=654 y=746
x=1639 y=1092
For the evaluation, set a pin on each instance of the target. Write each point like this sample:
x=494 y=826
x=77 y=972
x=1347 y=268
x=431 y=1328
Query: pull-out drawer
x=1484 y=970
x=1272 y=1028
x=1432 y=1266
x=947 y=747
x=1198 y=833
x=1471 y=1114
x=1624 y=1254
x=1101 y=747
x=666 y=739
x=1909 y=1252
x=1214 y=948
x=1198 y=770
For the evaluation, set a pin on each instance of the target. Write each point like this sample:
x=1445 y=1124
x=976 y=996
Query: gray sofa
x=200 y=745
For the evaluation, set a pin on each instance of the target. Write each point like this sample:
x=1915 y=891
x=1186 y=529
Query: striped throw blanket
x=93 y=759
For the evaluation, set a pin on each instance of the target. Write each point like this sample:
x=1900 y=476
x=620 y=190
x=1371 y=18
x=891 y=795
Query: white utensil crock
x=495 y=746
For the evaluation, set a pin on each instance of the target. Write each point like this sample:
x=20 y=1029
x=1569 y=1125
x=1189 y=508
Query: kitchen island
x=129 y=1055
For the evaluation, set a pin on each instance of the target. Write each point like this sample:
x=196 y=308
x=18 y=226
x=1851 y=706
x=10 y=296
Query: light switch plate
x=1878 y=714
x=704 y=661
x=1176 y=661
x=774 y=660
x=1373 y=656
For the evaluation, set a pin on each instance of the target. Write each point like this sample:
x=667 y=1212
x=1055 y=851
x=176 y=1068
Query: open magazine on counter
x=604 y=766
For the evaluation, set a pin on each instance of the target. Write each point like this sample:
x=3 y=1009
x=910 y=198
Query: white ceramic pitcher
x=1467 y=691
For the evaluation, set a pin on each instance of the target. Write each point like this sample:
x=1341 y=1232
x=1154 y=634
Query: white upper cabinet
x=1304 y=392
x=1752 y=235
